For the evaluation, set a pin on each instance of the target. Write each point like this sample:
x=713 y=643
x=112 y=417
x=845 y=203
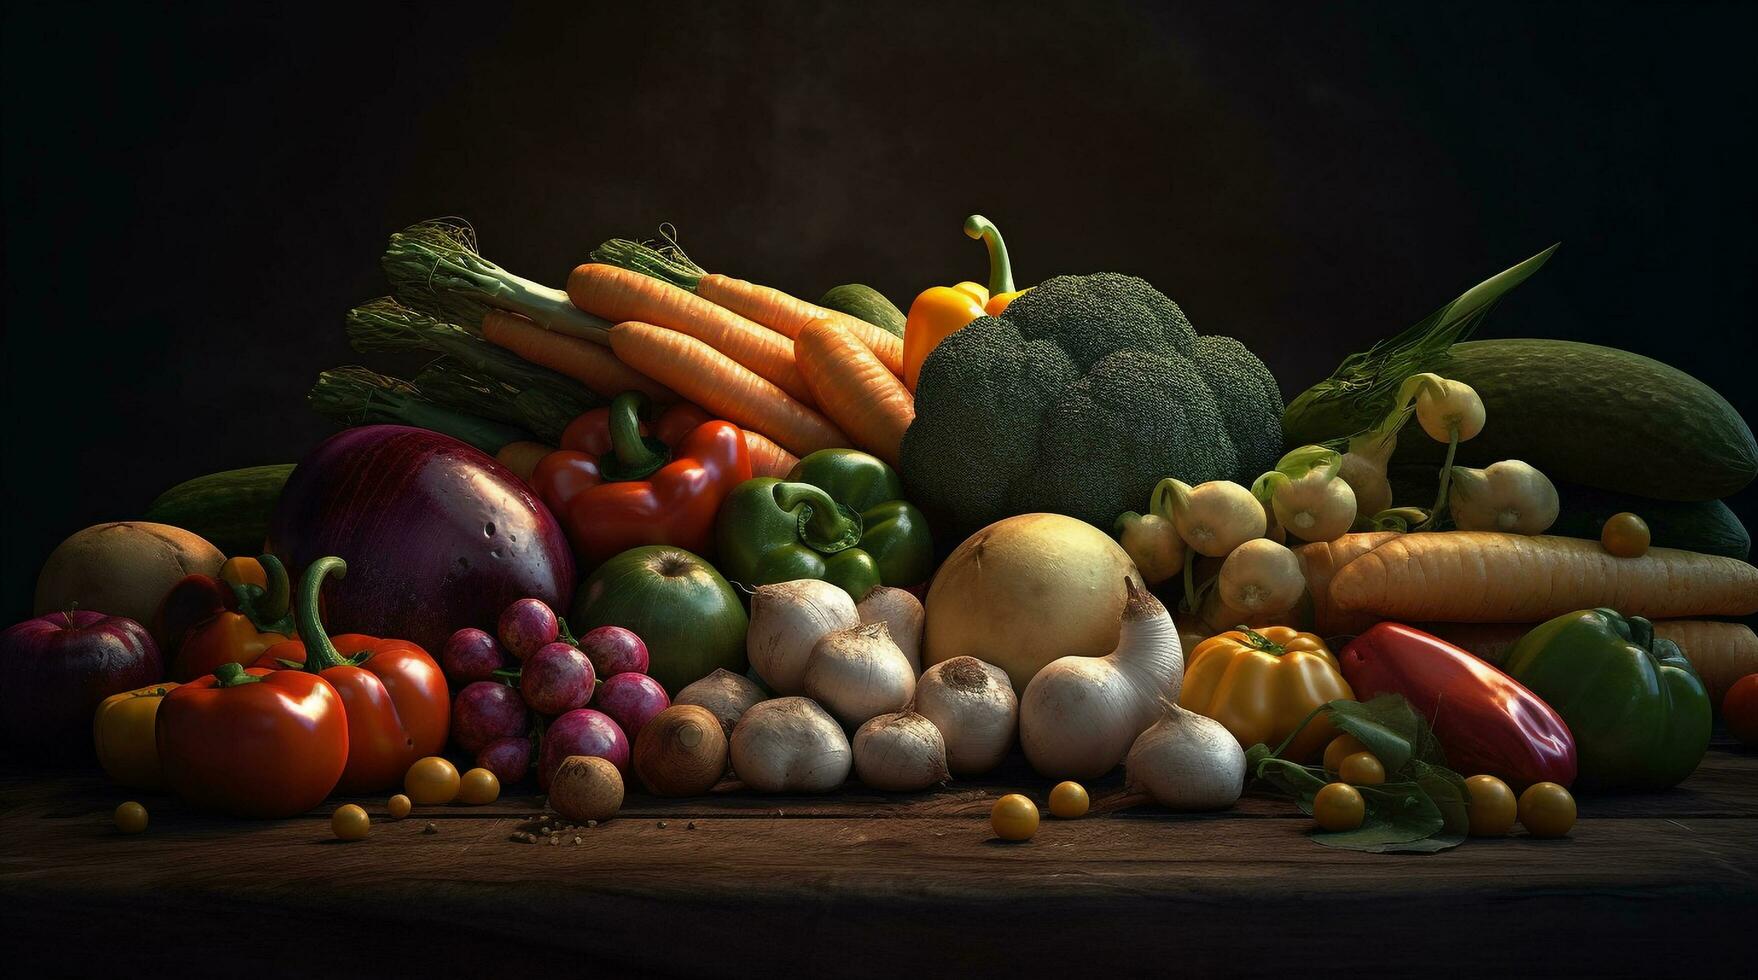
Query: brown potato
x=123 y=568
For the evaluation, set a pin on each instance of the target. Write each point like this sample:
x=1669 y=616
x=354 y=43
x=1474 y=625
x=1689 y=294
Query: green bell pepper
x=1637 y=709
x=839 y=516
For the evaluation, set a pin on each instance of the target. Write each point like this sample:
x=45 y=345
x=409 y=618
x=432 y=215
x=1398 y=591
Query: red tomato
x=1739 y=708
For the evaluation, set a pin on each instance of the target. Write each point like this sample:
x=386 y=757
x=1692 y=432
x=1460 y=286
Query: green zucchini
x=1708 y=527
x=231 y=508
x=1582 y=414
x=865 y=303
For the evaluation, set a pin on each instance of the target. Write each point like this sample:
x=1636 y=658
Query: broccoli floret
x=1077 y=400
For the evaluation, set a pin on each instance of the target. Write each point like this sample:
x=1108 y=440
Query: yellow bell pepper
x=941 y=311
x=1261 y=684
x=127 y=743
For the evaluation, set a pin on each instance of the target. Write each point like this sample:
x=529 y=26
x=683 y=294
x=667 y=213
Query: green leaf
x=1387 y=725
x=1398 y=814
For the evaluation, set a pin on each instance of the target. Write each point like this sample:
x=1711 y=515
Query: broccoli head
x=1078 y=400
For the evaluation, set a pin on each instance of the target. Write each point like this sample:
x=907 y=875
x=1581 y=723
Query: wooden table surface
x=866 y=884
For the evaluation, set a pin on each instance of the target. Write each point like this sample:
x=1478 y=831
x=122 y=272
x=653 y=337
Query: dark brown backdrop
x=194 y=196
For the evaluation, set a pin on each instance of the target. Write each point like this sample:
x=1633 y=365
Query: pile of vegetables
x=1375 y=602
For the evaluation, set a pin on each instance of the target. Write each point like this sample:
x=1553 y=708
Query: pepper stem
x=1258 y=641
x=320 y=653
x=825 y=526
x=277 y=600
x=633 y=456
x=231 y=674
x=1000 y=266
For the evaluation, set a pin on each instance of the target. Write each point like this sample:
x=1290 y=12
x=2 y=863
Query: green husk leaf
x=1360 y=394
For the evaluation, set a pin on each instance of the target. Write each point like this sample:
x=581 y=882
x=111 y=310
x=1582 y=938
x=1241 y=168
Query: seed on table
x=692 y=825
x=662 y=825
x=591 y=823
x=553 y=841
x=430 y=829
x=576 y=839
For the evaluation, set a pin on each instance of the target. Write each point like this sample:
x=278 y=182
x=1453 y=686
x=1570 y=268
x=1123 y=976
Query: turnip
x=790 y=745
x=582 y=731
x=471 y=655
x=485 y=711
x=1262 y=578
x=900 y=753
x=787 y=620
x=857 y=673
x=1213 y=518
x=1187 y=762
x=1507 y=496
x=1153 y=544
x=1450 y=412
x=973 y=705
x=1364 y=469
x=631 y=700
x=725 y=693
x=902 y=614
x=556 y=678
x=1308 y=499
x=527 y=626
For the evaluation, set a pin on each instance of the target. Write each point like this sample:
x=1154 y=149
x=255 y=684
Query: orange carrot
x=854 y=388
x=619 y=295
x=722 y=386
x=768 y=459
x=788 y=315
x=593 y=365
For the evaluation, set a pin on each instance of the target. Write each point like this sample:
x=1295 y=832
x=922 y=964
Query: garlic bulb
x=790 y=745
x=973 y=705
x=901 y=612
x=900 y=752
x=725 y=693
x=858 y=672
x=787 y=620
x=1080 y=715
x=1187 y=761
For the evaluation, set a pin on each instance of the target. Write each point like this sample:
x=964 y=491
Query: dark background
x=193 y=197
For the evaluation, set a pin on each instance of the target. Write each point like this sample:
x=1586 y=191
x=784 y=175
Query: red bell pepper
x=253 y=742
x=394 y=695
x=618 y=483
x=1486 y=721
x=205 y=621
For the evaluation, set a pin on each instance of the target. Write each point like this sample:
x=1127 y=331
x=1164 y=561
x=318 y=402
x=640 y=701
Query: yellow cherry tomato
x=432 y=780
x=1625 y=535
x=1361 y=769
x=1339 y=806
x=131 y=818
x=1069 y=800
x=479 y=786
x=1014 y=817
x=1489 y=804
x=399 y=806
x=1547 y=810
x=350 y=822
x=1341 y=748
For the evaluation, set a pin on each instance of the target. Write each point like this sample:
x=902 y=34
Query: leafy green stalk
x=434 y=266
x=1359 y=395
x=475 y=376
x=1421 y=806
x=664 y=262
x=355 y=395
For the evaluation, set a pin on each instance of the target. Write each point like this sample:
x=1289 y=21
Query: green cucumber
x=1584 y=414
x=1708 y=527
x=865 y=303
x=231 y=508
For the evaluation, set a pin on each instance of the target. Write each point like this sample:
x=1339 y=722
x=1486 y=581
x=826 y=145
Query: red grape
x=631 y=700
x=581 y=732
x=555 y=679
x=485 y=711
x=527 y=626
x=471 y=655
x=614 y=651
x=508 y=758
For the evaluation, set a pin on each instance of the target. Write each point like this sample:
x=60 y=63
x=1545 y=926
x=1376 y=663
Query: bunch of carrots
x=638 y=318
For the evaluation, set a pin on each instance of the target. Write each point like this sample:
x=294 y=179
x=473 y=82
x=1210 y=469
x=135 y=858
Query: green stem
x=1258 y=641
x=825 y=526
x=1000 y=266
x=668 y=264
x=320 y=653
x=278 y=598
x=1170 y=497
x=1440 y=499
x=633 y=456
x=231 y=674
x=1189 y=579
